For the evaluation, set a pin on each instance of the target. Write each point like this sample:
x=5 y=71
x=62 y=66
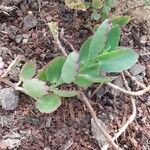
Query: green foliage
x=98 y=40
x=113 y=38
x=99 y=53
x=117 y=60
x=28 y=70
x=69 y=69
x=53 y=71
x=48 y=103
x=35 y=88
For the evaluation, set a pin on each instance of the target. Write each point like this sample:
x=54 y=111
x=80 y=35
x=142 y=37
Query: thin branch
x=61 y=47
x=131 y=93
x=65 y=40
x=95 y=91
x=6 y=8
x=99 y=126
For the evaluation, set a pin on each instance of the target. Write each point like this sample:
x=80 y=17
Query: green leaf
x=98 y=79
x=121 y=20
x=84 y=50
x=65 y=93
x=28 y=70
x=99 y=39
x=117 y=60
x=82 y=81
x=35 y=88
x=113 y=38
x=54 y=69
x=42 y=75
x=48 y=103
x=69 y=69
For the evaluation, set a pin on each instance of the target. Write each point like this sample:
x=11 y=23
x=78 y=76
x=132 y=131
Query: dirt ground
x=69 y=128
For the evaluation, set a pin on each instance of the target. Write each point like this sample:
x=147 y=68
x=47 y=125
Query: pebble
x=137 y=69
x=8 y=98
x=12 y=31
x=6 y=121
x=30 y=21
x=99 y=137
x=118 y=82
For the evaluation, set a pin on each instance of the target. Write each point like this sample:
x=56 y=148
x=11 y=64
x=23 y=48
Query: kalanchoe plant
x=99 y=53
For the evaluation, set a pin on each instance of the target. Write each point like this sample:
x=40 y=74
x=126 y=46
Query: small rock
x=8 y=98
x=25 y=38
x=118 y=82
x=99 y=137
x=48 y=122
x=137 y=69
x=14 y=74
x=18 y=38
x=140 y=78
x=6 y=121
x=143 y=39
x=12 y=31
x=47 y=148
x=102 y=91
x=30 y=21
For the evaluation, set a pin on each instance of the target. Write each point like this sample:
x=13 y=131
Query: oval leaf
x=48 y=103
x=69 y=69
x=28 y=70
x=84 y=50
x=113 y=38
x=65 y=93
x=54 y=69
x=35 y=88
x=98 y=41
x=118 y=60
x=98 y=79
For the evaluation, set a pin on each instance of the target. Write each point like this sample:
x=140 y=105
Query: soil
x=70 y=126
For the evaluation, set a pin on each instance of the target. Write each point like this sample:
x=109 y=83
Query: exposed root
x=131 y=93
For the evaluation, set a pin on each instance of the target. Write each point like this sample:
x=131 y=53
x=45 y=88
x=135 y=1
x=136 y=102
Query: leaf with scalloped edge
x=28 y=70
x=48 y=103
x=35 y=88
